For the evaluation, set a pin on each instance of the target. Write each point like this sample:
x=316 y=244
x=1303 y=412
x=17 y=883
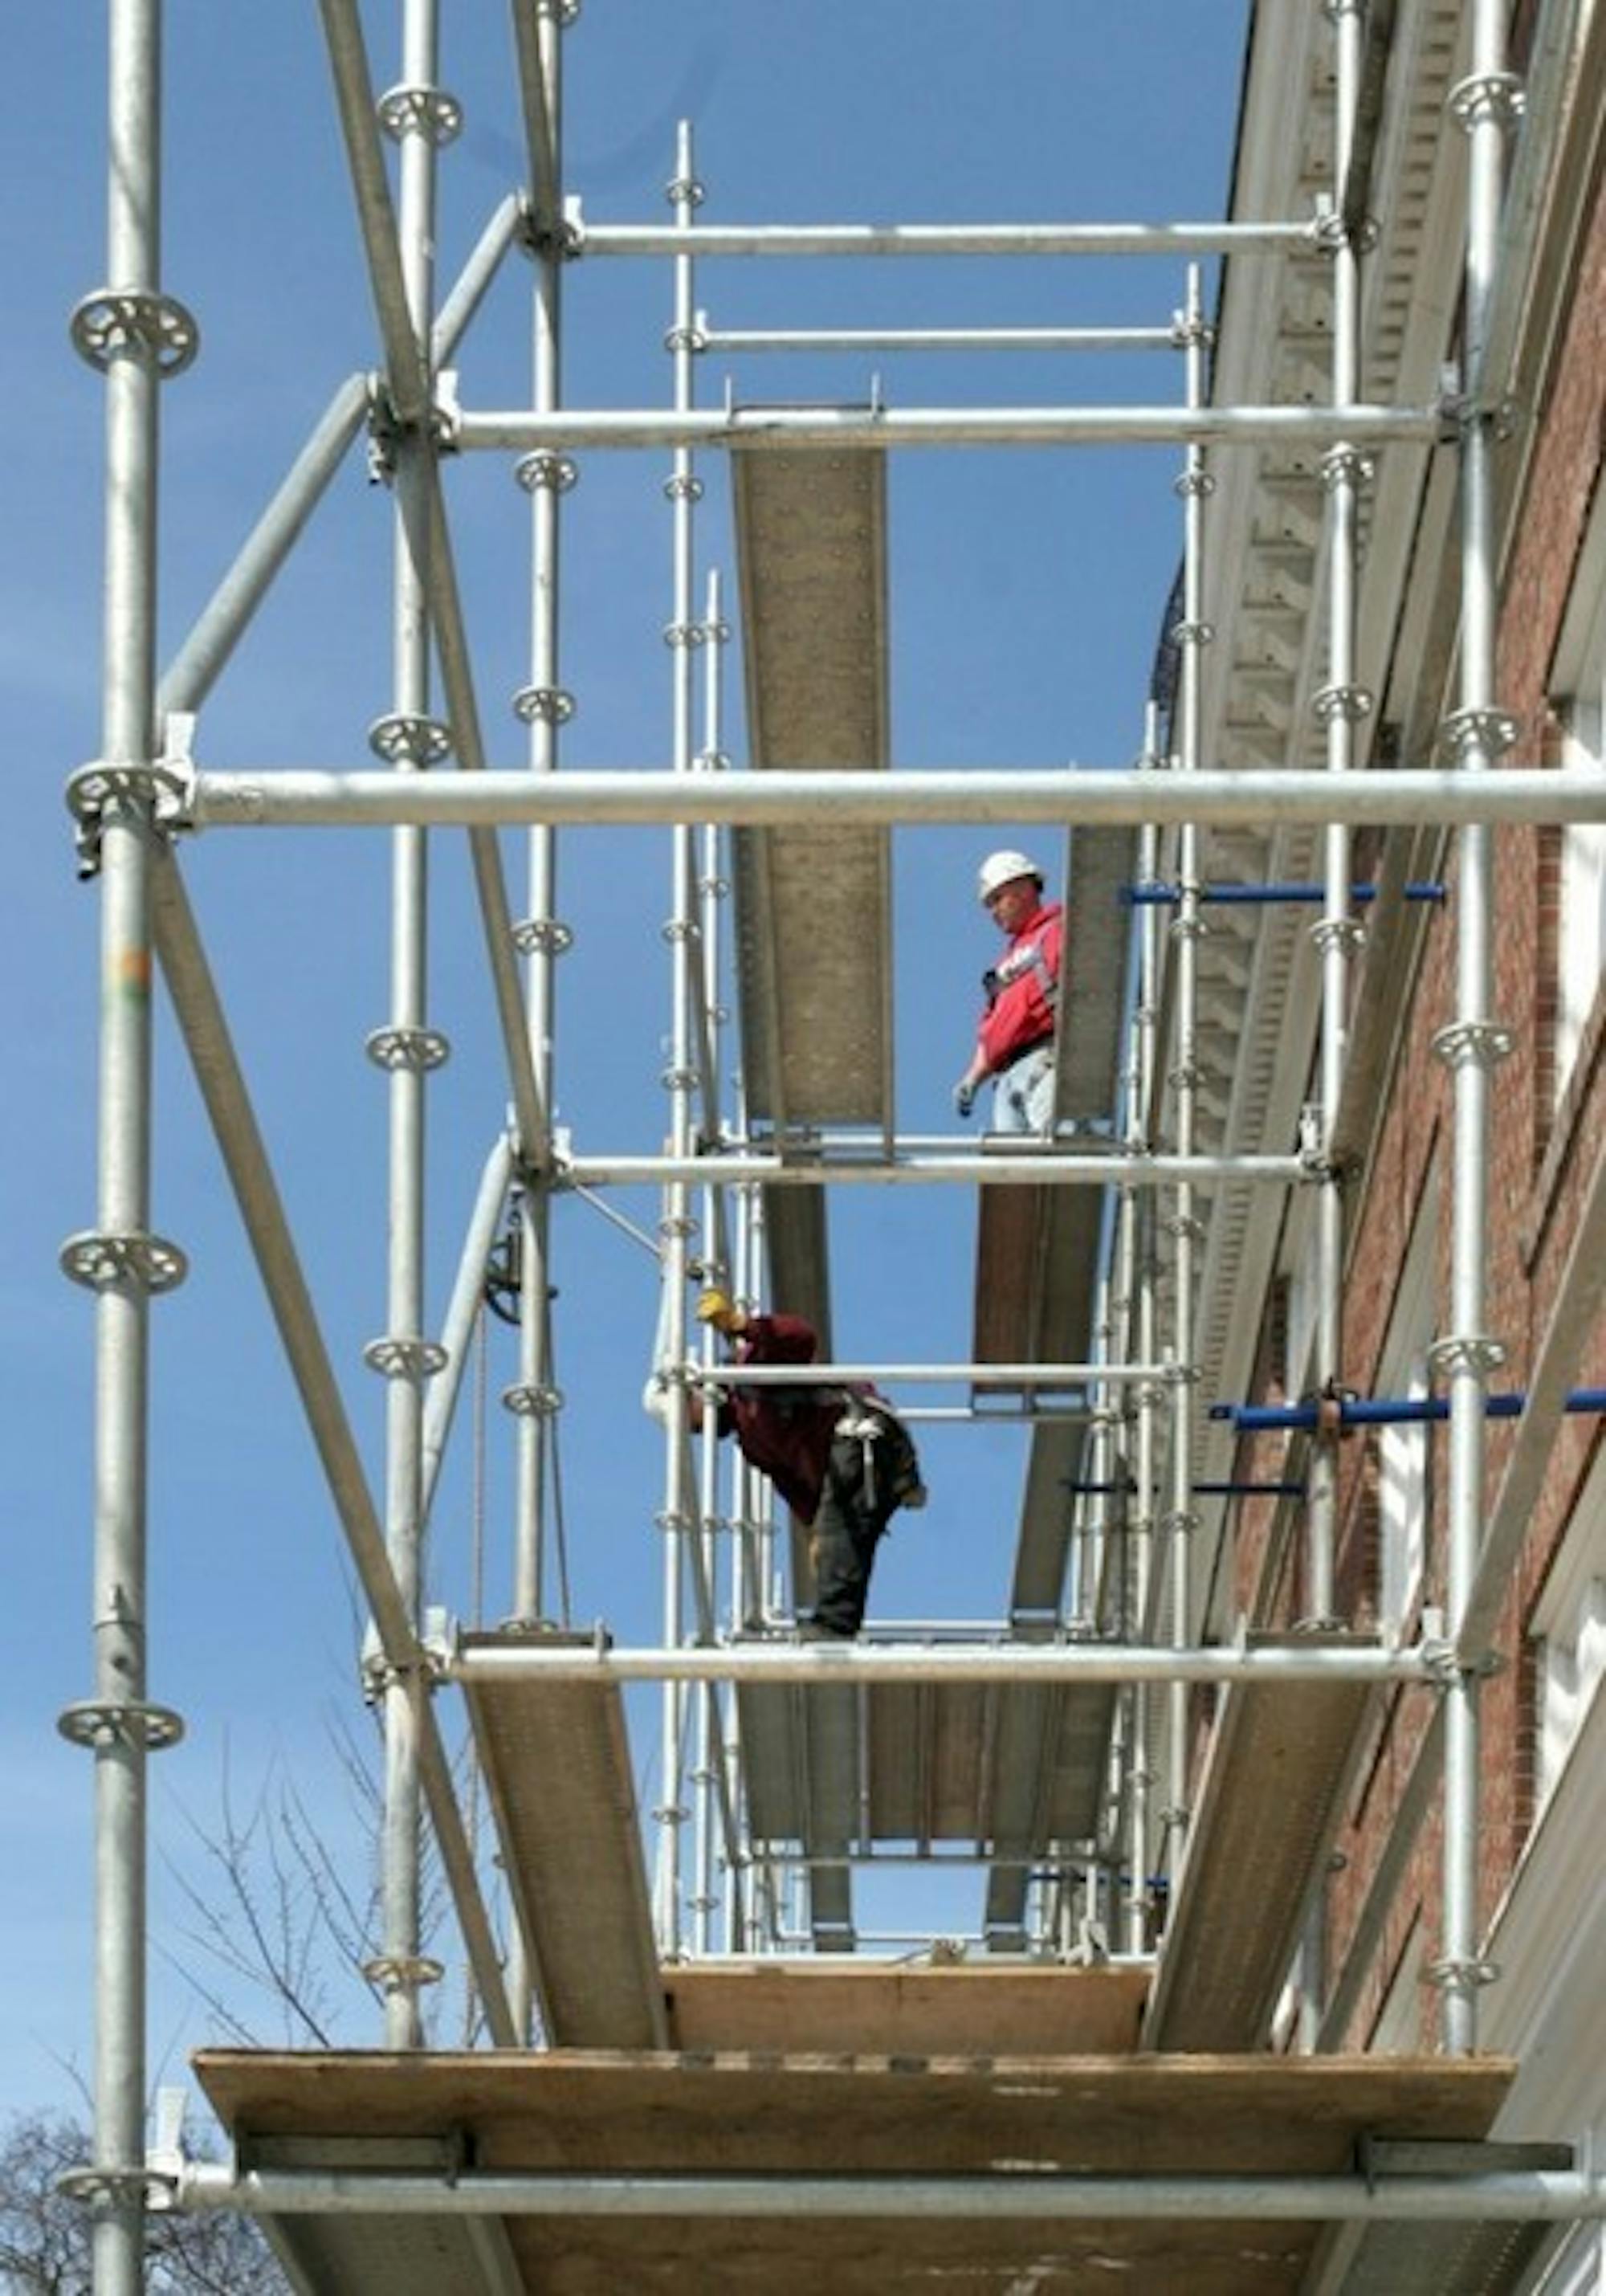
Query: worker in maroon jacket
x=1015 y=1043
x=843 y=1462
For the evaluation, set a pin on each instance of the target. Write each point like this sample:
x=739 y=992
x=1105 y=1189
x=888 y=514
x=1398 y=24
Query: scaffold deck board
x=867 y=2007
x=769 y=2114
x=1262 y=1823
x=813 y=900
x=1004 y=1766
x=556 y=1759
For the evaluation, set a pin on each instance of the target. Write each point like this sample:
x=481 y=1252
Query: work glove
x=717 y=1307
x=964 y=1097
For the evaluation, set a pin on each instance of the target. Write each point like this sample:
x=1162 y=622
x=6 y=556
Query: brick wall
x=1542 y=1158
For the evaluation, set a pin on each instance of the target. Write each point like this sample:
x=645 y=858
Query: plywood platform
x=813 y=899
x=819 y=2115
x=906 y=2011
x=1267 y=1807
x=556 y=1759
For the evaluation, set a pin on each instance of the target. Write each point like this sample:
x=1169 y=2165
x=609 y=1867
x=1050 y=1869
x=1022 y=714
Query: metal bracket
x=99 y=1722
x=1193 y=634
x=163 y=787
x=1194 y=480
x=113 y=322
x=685 y=339
x=685 y=189
x=682 y=634
x=102 y=1262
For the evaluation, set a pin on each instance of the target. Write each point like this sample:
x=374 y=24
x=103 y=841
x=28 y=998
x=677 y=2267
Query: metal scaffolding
x=1035 y=1747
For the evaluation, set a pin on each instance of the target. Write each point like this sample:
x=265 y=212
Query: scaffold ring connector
x=685 y=339
x=1452 y=1974
x=1193 y=634
x=1345 y=464
x=1472 y=1043
x=99 y=1722
x=100 y=1262
x=677 y=1223
x=1492 y=731
x=549 y=705
x=401 y=737
x=111 y=324
x=542 y=937
x=684 y=191
x=684 y=485
x=1340 y=704
x=1182 y=1225
x=94 y=2187
x=543 y=467
x=1473 y=1351
x=680 y=929
x=1483 y=97
x=398 y=1357
x=1194 y=480
x=403 y=1972
x=672 y=1518
x=427 y=111
x=403 y=1051
x=532 y=1400
x=1345 y=933
x=682 y=634
x=96 y=786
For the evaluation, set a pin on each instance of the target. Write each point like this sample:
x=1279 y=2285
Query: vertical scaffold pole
x=683 y=635
x=1340 y=705
x=1145 y=1023
x=1485 y=105
x=124 y=330
x=1191 y=635
x=406 y=1049
x=543 y=706
x=709 y=893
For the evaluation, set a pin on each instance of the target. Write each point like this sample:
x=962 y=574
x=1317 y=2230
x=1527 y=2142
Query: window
x=1404 y=1450
x=1580 y=686
x=1569 y=1625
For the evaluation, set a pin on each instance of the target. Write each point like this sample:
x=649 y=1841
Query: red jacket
x=1021 y=990
x=785 y=1431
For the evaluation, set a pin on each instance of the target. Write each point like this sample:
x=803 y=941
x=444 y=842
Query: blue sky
x=1027 y=595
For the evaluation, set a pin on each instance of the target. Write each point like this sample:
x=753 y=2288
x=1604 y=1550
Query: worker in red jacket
x=843 y=1462
x=1015 y=1042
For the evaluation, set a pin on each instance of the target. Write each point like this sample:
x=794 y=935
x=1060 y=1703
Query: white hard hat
x=1001 y=868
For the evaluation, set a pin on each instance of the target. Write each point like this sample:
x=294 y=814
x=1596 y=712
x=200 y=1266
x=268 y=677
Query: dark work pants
x=843 y=1541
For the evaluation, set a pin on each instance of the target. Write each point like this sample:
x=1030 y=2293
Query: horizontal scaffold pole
x=946 y=238
x=523 y=429
x=789 y=1661
x=1047 y=1167
x=301 y=797
x=936 y=338
x=1388 y=1411
x=1534 y=2195
x=988 y=1374
x=1269 y=896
